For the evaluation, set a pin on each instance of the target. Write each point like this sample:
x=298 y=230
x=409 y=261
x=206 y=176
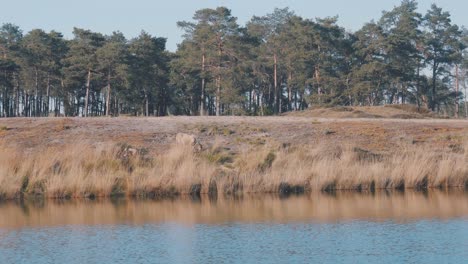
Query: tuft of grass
x=217 y=131
x=63 y=124
x=267 y=162
x=218 y=154
x=219 y=158
x=202 y=129
x=316 y=122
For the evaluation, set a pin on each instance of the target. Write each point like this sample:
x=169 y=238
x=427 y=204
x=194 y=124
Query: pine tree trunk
x=66 y=99
x=457 y=106
x=36 y=93
x=289 y=91
x=88 y=83
x=218 y=80
x=466 y=99
x=434 y=82
x=249 y=107
x=147 y=107
x=108 y=93
x=295 y=100
x=27 y=106
x=275 y=82
x=116 y=107
x=146 y=103
x=47 y=95
x=261 y=103
x=93 y=104
x=418 y=88
x=218 y=95
x=319 y=88
x=17 y=97
x=202 y=97
x=2 y=100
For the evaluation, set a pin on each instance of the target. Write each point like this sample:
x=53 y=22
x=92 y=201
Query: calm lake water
x=384 y=227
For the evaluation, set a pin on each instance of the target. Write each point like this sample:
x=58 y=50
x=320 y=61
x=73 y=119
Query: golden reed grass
x=83 y=170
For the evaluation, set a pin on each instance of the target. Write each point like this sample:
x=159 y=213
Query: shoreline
x=26 y=198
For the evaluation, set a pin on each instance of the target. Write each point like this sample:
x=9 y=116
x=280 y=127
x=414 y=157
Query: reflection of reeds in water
x=82 y=170
x=381 y=206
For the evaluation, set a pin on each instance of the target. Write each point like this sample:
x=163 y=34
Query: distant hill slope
x=387 y=111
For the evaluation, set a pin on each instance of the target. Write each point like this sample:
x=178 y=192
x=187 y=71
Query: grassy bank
x=99 y=170
x=140 y=157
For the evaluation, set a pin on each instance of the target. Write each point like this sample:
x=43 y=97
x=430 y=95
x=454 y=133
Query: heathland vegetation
x=140 y=157
x=276 y=63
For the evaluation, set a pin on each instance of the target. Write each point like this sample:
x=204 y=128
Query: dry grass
x=236 y=133
x=84 y=170
x=335 y=168
x=404 y=111
x=81 y=170
x=63 y=124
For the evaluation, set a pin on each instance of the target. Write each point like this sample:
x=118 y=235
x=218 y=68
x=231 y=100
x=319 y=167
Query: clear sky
x=159 y=17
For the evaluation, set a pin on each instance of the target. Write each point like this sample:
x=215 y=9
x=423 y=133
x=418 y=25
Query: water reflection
x=316 y=207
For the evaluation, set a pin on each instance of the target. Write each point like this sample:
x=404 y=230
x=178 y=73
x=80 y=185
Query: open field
x=76 y=157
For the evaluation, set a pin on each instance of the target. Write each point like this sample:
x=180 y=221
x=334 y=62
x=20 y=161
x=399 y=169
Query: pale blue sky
x=159 y=17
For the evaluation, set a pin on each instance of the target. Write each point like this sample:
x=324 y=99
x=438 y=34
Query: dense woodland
x=275 y=63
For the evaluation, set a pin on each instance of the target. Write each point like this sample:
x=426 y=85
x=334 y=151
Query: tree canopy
x=274 y=63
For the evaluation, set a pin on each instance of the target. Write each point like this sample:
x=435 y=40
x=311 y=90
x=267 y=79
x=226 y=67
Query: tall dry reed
x=83 y=170
x=335 y=168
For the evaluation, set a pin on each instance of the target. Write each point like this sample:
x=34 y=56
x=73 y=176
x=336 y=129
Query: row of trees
x=275 y=63
x=92 y=74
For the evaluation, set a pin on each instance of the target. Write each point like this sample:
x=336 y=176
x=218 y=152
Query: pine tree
x=81 y=66
x=443 y=47
x=111 y=63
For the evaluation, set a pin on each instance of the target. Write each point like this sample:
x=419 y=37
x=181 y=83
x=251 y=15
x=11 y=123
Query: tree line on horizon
x=275 y=63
